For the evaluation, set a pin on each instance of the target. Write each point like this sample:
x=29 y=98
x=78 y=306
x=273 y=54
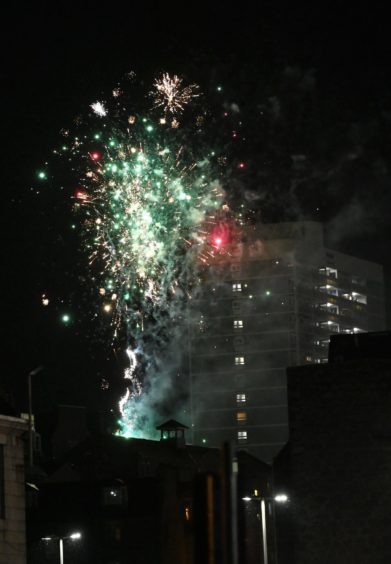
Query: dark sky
x=58 y=57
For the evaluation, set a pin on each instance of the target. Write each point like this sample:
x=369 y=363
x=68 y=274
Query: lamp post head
x=36 y=370
x=73 y=536
x=281 y=498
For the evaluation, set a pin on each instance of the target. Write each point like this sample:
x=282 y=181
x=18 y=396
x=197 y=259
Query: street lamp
x=32 y=373
x=280 y=498
x=73 y=536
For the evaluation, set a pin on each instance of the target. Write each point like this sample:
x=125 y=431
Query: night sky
x=321 y=76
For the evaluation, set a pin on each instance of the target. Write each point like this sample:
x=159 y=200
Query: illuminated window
x=242 y=436
x=355 y=297
x=239 y=360
x=329 y=272
x=331 y=326
x=236 y=287
x=361 y=298
x=241 y=417
x=331 y=308
x=308 y=358
x=328 y=289
x=240 y=398
x=238 y=324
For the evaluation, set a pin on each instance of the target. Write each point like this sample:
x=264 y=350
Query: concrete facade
x=337 y=465
x=270 y=301
x=12 y=510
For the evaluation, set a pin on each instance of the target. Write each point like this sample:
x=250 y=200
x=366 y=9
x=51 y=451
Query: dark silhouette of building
x=337 y=464
x=147 y=502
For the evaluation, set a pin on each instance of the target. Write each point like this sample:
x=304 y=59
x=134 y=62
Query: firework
x=149 y=200
x=170 y=95
x=99 y=109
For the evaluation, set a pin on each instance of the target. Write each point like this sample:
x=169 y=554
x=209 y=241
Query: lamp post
x=32 y=373
x=280 y=498
x=73 y=536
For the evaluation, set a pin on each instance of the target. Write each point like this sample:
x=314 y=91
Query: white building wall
x=13 y=517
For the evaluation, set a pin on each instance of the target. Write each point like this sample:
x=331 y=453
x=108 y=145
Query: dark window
x=113 y=532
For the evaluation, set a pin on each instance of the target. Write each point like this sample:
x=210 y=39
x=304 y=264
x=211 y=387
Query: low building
x=12 y=488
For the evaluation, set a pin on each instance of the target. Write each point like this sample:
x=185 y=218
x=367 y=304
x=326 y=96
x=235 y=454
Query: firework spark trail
x=135 y=383
x=148 y=196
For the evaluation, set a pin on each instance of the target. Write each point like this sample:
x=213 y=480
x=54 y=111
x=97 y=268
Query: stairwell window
x=241 y=398
x=241 y=417
x=242 y=436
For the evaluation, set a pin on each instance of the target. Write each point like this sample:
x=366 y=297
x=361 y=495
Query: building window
x=355 y=297
x=240 y=379
x=242 y=436
x=330 y=326
x=328 y=289
x=237 y=287
x=329 y=272
x=324 y=343
x=241 y=398
x=331 y=308
x=238 y=324
x=241 y=417
x=238 y=343
x=239 y=360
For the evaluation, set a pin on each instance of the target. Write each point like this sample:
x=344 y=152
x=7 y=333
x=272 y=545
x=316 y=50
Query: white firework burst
x=99 y=109
x=170 y=95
